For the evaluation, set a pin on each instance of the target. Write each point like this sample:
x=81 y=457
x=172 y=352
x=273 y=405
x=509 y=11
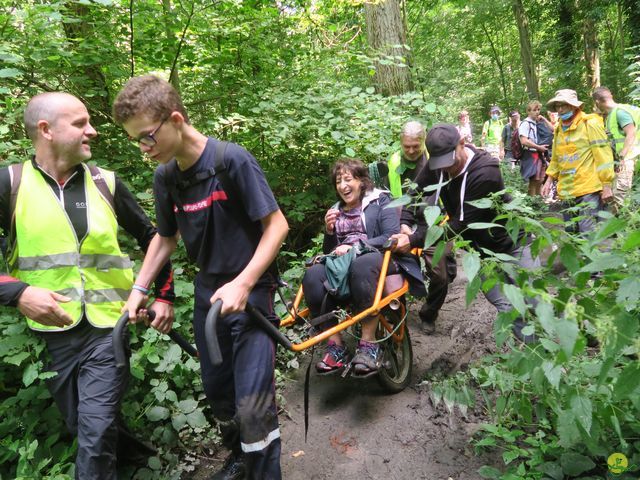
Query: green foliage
x=558 y=408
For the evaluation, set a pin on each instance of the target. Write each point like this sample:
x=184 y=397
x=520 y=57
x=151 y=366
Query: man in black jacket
x=464 y=174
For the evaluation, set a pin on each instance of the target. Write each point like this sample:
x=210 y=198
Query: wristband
x=140 y=288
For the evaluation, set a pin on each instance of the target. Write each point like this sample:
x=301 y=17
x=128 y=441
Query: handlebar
x=211 y=324
x=119 y=343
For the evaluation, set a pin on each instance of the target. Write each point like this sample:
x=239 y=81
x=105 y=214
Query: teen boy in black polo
x=233 y=264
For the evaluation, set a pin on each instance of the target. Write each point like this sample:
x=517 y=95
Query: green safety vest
x=613 y=129
x=395 y=180
x=494 y=131
x=45 y=252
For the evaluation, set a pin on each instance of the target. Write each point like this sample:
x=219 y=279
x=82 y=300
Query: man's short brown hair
x=601 y=93
x=147 y=95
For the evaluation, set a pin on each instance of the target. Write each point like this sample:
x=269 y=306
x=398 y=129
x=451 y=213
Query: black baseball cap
x=441 y=144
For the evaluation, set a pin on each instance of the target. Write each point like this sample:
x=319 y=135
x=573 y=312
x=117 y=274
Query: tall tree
x=526 y=51
x=387 y=38
x=591 y=51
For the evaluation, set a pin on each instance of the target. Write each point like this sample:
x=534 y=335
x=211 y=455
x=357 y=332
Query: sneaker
x=367 y=360
x=233 y=469
x=335 y=358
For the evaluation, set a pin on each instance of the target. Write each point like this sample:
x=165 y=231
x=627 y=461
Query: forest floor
x=357 y=431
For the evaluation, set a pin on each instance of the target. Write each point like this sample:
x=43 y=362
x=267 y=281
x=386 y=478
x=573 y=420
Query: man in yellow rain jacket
x=581 y=161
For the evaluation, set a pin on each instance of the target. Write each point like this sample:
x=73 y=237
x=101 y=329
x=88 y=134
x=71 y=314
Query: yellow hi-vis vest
x=395 y=181
x=46 y=253
x=613 y=129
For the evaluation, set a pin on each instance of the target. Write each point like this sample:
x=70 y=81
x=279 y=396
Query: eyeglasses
x=149 y=140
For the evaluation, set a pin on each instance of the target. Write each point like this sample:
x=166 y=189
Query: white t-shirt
x=528 y=129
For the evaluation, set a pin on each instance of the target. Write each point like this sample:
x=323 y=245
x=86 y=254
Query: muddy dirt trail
x=357 y=431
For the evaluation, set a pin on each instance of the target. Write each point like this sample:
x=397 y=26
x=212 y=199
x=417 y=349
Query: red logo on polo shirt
x=204 y=203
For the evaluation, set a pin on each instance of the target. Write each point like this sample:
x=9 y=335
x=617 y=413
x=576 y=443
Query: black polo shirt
x=210 y=226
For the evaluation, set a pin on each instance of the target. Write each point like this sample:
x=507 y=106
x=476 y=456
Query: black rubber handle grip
x=211 y=324
x=210 y=335
x=119 y=343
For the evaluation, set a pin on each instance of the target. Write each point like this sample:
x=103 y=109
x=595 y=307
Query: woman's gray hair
x=413 y=129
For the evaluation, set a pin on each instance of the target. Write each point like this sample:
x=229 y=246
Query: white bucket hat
x=564 y=96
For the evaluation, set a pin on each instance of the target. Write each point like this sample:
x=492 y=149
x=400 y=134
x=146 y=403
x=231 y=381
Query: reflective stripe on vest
x=395 y=180
x=95 y=276
x=613 y=129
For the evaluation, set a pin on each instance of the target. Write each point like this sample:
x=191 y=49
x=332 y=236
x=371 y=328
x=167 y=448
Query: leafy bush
x=560 y=407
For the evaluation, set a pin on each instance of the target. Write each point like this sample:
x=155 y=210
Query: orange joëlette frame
x=378 y=304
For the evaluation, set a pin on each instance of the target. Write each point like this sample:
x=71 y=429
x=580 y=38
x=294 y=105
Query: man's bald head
x=45 y=106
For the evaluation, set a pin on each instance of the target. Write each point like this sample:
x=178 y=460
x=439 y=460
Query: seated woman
x=359 y=215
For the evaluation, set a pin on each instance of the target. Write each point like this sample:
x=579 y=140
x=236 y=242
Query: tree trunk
x=526 y=52
x=94 y=83
x=387 y=36
x=591 y=53
x=499 y=62
x=631 y=9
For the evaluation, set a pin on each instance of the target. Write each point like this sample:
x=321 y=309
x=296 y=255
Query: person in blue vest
x=621 y=124
x=69 y=277
x=232 y=229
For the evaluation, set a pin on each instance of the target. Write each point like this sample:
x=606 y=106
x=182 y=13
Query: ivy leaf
x=471 y=265
x=583 y=411
x=483 y=225
x=197 y=419
x=627 y=384
x=349 y=152
x=472 y=290
x=178 y=421
x=552 y=372
x=438 y=252
x=158 y=413
x=628 y=293
x=10 y=73
x=489 y=472
x=187 y=406
x=515 y=296
x=632 y=241
x=30 y=374
x=569 y=258
x=546 y=317
x=433 y=235
x=482 y=203
x=568 y=432
x=613 y=225
x=573 y=464
x=431 y=214
x=605 y=262
x=567 y=332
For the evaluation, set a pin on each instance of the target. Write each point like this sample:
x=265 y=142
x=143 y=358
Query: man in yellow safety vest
x=622 y=126
x=69 y=277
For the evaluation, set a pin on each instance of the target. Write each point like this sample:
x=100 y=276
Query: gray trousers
x=495 y=296
x=591 y=204
x=88 y=389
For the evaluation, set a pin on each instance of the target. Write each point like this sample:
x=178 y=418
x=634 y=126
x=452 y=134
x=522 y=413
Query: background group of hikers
x=69 y=277
x=530 y=143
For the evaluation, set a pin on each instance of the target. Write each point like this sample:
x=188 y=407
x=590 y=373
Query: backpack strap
x=15 y=176
x=98 y=178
